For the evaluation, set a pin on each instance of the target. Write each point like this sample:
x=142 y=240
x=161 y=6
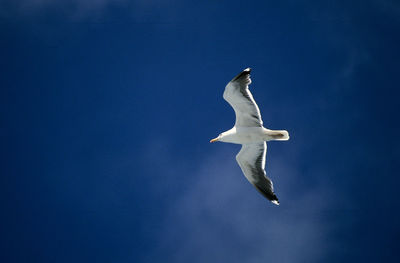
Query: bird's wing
x=251 y=159
x=238 y=95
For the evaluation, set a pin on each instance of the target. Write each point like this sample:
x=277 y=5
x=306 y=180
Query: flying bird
x=251 y=134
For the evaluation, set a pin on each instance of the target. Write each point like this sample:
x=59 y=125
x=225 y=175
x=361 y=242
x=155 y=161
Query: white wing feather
x=238 y=95
x=251 y=160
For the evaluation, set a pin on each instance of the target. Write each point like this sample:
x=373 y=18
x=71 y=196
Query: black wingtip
x=274 y=199
x=275 y=202
x=271 y=196
x=241 y=74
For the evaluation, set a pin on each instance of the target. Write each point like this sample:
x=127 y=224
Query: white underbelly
x=247 y=135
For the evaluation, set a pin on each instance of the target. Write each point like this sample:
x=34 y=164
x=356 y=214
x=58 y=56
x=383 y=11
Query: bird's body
x=245 y=135
x=250 y=132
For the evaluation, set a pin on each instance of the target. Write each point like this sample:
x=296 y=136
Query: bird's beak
x=214 y=140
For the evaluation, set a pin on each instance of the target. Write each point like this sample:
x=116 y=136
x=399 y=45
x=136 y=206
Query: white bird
x=249 y=132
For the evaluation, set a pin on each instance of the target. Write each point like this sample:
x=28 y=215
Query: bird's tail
x=281 y=135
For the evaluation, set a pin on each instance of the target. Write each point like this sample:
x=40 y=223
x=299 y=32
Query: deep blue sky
x=107 y=108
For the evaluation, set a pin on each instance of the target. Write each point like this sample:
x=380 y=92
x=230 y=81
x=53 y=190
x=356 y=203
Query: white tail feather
x=281 y=135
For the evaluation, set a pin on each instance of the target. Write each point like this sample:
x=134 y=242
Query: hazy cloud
x=78 y=4
x=220 y=217
x=78 y=9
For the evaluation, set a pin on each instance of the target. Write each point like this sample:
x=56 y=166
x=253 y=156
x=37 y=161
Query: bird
x=251 y=134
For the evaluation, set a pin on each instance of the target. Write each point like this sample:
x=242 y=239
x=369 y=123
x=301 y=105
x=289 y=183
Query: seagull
x=251 y=134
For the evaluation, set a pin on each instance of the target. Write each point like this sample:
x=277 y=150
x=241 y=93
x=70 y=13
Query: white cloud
x=72 y=9
x=220 y=217
x=142 y=10
x=78 y=4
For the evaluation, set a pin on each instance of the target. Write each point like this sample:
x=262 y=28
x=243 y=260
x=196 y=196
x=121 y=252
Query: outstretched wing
x=238 y=95
x=251 y=160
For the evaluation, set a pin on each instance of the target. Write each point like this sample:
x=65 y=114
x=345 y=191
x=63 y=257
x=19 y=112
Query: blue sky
x=107 y=108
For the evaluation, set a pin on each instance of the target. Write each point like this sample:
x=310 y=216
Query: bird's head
x=217 y=138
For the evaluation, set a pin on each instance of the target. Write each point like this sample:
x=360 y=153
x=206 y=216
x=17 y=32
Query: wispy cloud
x=73 y=9
x=78 y=4
x=390 y=7
x=220 y=217
x=81 y=9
